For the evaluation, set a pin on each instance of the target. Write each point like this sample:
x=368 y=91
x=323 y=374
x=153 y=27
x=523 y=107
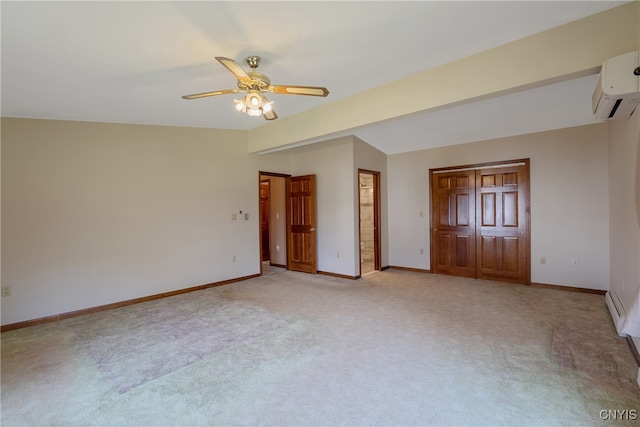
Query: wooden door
x=301 y=223
x=264 y=221
x=480 y=221
x=501 y=219
x=453 y=223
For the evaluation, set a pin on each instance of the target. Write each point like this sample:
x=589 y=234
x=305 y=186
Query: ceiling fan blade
x=214 y=93
x=299 y=90
x=235 y=69
x=270 y=115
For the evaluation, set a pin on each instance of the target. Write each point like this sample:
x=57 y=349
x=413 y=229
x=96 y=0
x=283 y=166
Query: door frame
x=261 y=175
x=487 y=165
x=377 y=262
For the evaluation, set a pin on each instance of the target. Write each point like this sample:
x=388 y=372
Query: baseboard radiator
x=618 y=315
x=617 y=311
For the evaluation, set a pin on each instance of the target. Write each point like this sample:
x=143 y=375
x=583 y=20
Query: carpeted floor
x=393 y=348
x=268 y=269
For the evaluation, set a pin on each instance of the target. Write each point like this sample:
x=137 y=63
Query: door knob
x=312 y=229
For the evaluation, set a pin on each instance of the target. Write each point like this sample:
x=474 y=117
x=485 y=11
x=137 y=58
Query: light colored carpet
x=161 y=338
x=268 y=269
x=393 y=348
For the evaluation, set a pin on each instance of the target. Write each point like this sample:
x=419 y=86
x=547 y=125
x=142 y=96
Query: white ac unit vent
x=617 y=93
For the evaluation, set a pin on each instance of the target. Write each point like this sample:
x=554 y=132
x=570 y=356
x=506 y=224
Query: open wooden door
x=301 y=223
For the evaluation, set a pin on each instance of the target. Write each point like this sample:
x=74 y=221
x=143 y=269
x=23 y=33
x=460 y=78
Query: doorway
x=369 y=219
x=265 y=252
x=287 y=212
x=272 y=224
x=480 y=221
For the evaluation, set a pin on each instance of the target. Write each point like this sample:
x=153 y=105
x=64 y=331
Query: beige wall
x=96 y=213
x=99 y=213
x=332 y=163
x=569 y=201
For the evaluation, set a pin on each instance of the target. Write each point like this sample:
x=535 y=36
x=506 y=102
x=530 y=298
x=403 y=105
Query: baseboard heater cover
x=618 y=313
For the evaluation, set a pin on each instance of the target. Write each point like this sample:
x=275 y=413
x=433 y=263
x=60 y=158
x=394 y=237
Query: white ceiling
x=130 y=62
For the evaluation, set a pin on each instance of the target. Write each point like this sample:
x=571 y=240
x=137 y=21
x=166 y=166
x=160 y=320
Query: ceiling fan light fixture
x=254 y=112
x=254 y=100
x=253 y=104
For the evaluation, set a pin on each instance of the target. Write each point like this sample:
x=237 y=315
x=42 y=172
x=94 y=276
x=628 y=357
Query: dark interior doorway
x=265 y=253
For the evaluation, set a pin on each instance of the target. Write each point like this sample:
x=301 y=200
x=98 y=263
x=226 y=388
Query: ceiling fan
x=254 y=103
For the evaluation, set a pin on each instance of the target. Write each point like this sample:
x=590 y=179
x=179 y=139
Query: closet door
x=480 y=221
x=502 y=243
x=453 y=223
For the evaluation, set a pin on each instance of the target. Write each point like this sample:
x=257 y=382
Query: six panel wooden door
x=502 y=238
x=301 y=223
x=480 y=222
x=453 y=223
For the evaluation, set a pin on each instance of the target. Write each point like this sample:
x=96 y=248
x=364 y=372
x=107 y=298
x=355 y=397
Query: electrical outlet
x=543 y=260
x=575 y=262
x=421 y=251
x=337 y=254
x=6 y=291
x=233 y=258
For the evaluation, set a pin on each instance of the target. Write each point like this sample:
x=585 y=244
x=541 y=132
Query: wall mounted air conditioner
x=617 y=93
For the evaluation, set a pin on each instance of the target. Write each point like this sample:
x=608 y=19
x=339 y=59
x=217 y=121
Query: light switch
x=246 y=217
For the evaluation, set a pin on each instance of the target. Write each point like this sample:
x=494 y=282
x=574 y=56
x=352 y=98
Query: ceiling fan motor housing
x=259 y=82
x=253 y=61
